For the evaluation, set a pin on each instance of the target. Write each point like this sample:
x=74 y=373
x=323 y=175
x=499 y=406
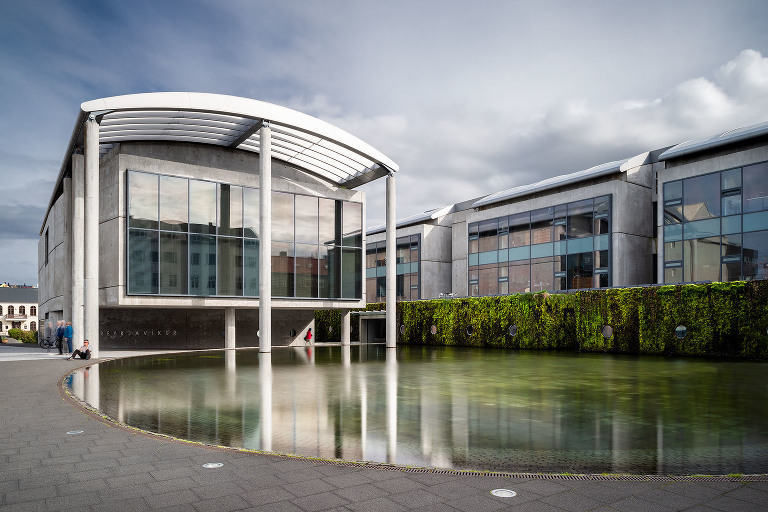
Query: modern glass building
x=561 y=247
x=716 y=226
x=201 y=220
x=408 y=275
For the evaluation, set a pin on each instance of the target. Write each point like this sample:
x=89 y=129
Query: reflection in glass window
x=330 y=221
x=330 y=271
x=173 y=203
x=282 y=216
x=251 y=204
x=541 y=226
x=230 y=210
x=282 y=269
x=306 y=219
x=701 y=259
x=142 y=261
x=755 y=253
x=580 y=270
x=306 y=270
x=352 y=218
x=520 y=277
x=755 y=188
x=142 y=200
x=230 y=266
x=351 y=273
x=250 y=267
x=580 y=219
x=488 y=279
x=519 y=229
x=701 y=197
x=202 y=207
x=488 y=230
x=173 y=263
x=202 y=265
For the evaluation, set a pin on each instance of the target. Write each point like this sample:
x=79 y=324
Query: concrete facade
x=141 y=321
x=635 y=186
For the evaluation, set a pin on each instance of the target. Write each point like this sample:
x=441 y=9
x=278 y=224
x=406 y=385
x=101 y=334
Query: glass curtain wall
x=716 y=226
x=562 y=247
x=193 y=237
x=408 y=253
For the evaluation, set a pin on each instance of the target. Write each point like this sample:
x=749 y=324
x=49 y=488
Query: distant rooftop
x=729 y=137
x=18 y=295
x=415 y=219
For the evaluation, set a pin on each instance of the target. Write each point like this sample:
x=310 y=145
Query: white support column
x=229 y=328
x=345 y=327
x=77 y=246
x=391 y=280
x=265 y=239
x=68 y=256
x=90 y=327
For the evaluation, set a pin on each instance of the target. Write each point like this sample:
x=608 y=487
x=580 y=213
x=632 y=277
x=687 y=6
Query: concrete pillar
x=67 y=297
x=265 y=239
x=265 y=400
x=391 y=407
x=345 y=327
x=77 y=246
x=90 y=327
x=391 y=281
x=229 y=328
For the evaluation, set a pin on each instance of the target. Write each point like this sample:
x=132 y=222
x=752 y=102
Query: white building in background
x=18 y=309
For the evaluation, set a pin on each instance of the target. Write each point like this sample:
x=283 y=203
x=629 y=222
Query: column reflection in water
x=265 y=396
x=230 y=367
x=391 y=396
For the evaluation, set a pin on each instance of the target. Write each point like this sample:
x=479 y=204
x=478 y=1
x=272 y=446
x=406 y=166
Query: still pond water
x=451 y=407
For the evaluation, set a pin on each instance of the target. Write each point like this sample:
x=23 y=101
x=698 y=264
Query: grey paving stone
x=170 y=499
x=454 y=490
x=309 y=487
x=171 y=485
x=416 y=498
x=222 y=503
x=398 y=485
x=30 y=494
x=322 y=501
x=365 y=492
x=215 y=490
x=634 y=504
x=571 y=501
x=347 y=480
x=132 y=504
x=728 y=504
x=482 y=504
x=375 y=505
x=270 y=495
x=750 y=494
x=80 y=499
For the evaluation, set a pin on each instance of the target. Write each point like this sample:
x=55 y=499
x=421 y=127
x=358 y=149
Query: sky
x=469 y=98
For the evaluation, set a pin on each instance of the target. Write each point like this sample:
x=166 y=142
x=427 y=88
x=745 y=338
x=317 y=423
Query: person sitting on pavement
x=84 y=352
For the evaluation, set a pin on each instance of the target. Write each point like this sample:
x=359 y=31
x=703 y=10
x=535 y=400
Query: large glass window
x=708 y=221
x=143 y=200
x=407 y=251
x=199 y=238
x=577 y=234
x=230 y=210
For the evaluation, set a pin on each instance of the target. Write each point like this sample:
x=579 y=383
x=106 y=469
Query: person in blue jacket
x=68 y=332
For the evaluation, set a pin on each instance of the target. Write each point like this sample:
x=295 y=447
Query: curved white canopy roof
x=297 y=138
x=721 y=139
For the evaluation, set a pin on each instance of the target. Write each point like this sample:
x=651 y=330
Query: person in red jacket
x=308 y=337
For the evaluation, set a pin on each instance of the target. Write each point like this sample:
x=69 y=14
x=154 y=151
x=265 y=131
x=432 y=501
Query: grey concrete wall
x=635 y=250
x=459 y=265
x=52 y=278
x=631 y=215
x=719 y=160
x=187 y=328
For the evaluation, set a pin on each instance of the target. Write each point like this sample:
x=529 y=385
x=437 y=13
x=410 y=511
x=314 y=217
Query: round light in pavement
x=71 y=432
x=211 y=465
x=504 y=493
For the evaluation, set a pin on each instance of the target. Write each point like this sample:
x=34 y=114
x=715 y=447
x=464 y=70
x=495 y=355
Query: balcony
x=15 y=316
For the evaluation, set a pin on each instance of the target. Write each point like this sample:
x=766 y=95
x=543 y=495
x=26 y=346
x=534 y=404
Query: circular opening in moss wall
x=433 y=329
x=607 y=331
x=402 y=329
x=330 y=328
x=470 y=330
x=292 y=332
x=513 y=330
x=681 y=332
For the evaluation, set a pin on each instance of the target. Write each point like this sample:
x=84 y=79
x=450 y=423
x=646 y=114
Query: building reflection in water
x=444 y=408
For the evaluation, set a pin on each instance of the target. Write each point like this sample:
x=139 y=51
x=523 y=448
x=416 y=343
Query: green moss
x=722 y=319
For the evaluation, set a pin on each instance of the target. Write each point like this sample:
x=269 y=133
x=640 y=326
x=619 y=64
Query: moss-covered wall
x=722 y=319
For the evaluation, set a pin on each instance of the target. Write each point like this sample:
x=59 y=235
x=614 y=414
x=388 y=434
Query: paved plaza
x=111 y=468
